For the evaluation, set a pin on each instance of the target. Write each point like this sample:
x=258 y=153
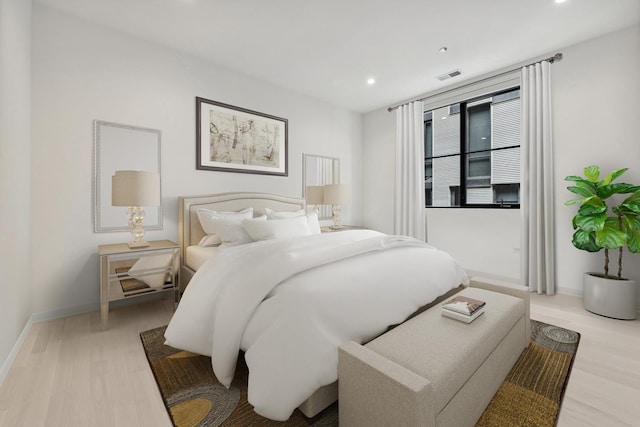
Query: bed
x=301 y=298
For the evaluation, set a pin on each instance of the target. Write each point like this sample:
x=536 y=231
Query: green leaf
x=594 y=206
x=631 y=222
x=629 y=209
x=592 y=173
x=607 y=191
x=580 y=191
x=632 y=202
x=577 y=201
x=633 y=241
x=610 y=236
x=585 y=241
x=590 y=222
x=613 y=175
x=575 y=178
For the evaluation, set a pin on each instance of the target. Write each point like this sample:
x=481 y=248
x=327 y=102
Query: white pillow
x=314 y=224
x=312 y=218
x=231 y=232
x=206 y=216
x=208 y=241
x=155 y=280
x=282 y=215
x=279 y=229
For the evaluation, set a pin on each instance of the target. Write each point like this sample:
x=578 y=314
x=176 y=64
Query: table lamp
x=336 y=195
x=315 y=196
x=135 y=189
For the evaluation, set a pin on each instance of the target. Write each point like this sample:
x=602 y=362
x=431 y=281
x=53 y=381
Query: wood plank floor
x=71 y=373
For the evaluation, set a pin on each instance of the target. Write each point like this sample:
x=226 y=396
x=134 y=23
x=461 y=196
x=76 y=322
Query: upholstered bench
x=433 y=370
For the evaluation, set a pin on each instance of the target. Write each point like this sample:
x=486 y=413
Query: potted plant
x=599 y=226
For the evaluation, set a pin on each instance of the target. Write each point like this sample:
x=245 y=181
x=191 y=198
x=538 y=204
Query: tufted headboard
x=190 y=232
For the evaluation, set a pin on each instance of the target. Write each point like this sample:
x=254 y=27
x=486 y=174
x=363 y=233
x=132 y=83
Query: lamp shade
x=336 y=194
x=315 y=195
x=135 y=188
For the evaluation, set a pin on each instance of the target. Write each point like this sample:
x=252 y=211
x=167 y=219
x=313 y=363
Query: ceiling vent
x=449 y=75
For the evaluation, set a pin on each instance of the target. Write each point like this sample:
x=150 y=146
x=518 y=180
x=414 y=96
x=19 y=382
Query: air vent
x=449 y=75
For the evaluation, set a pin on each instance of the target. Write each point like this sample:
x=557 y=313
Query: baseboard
x=45 y=316
x=8 y=363
x=472 y=273
x=569 y=291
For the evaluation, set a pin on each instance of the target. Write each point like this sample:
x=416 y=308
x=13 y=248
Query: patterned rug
x=530 y=395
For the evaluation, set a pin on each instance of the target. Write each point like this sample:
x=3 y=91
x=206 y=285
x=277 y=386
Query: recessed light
x=443 y=49
x=560 y=1
x=371 y=81
x=444 y=117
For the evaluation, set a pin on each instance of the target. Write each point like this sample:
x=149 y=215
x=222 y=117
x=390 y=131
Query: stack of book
x=463 y=308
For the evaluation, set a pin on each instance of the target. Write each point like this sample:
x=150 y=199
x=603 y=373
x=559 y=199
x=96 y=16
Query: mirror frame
x=104 y=168
x=325 y=210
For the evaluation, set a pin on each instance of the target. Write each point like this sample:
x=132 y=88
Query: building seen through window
x=472 y=152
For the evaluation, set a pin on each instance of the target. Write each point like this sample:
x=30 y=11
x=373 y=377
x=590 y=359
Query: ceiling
x=328 y=49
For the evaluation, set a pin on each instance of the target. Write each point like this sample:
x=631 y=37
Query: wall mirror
x=320 y=170
x=122 y=147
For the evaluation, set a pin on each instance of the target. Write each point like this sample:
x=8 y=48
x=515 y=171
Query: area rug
x=530 y=395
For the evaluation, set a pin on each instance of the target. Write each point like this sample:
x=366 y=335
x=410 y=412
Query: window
x=472 y=153
x=428 y=162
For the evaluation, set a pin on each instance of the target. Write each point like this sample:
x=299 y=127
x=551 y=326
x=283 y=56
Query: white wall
x=15 y=107
x=595 y=101
x=596 y=94
x=379 y=156
x=81 y=73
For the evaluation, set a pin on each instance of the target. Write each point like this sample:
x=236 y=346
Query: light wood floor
x=71 y=373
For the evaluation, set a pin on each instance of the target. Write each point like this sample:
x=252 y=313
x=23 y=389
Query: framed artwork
x=234 y=139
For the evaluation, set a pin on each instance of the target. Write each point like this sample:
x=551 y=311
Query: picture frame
x=143 y=148
x=235 y=139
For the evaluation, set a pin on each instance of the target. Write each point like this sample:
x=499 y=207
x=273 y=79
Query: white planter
x=610 y=297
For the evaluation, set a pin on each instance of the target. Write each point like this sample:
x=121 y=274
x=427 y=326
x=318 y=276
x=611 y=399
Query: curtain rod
x=551 y=59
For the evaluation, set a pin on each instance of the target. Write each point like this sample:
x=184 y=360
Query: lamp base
x=140 y=244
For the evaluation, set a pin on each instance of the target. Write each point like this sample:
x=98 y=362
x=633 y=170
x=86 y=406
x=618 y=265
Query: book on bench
x=463 y=308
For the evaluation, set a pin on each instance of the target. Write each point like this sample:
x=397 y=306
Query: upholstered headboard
x=189 y=230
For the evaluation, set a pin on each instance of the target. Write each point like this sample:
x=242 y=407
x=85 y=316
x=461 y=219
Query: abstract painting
x=235 y=139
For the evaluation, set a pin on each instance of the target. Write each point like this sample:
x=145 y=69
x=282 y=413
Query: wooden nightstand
x=342 y=228
x=128 y=273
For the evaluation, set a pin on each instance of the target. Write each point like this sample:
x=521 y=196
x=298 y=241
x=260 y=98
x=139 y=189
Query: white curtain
x=538 y=270
x=324 y=175
x=409 y=200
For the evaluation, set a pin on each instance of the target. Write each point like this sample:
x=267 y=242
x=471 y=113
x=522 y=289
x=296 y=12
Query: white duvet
x=290 y=303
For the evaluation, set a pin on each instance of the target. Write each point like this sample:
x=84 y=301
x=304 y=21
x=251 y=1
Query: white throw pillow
x=231 y=232
x=155 y=280
x=312 y=218
x=314 y=224
x=208 y=241
x=283 y=215
x=206 y=217
x=277 y=229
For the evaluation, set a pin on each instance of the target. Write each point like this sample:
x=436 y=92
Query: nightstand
x=128 y=273
x=342 y=228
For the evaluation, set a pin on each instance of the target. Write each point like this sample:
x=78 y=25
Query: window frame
x=463 y=153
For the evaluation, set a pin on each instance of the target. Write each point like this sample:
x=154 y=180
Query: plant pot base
x=610 y=298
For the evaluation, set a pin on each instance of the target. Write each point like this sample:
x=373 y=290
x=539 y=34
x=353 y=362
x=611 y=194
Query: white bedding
x=197 y=255
x=290 y=303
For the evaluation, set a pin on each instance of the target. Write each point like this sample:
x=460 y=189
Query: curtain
x=409 y=199
x=537 y=251
x=324 y=175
